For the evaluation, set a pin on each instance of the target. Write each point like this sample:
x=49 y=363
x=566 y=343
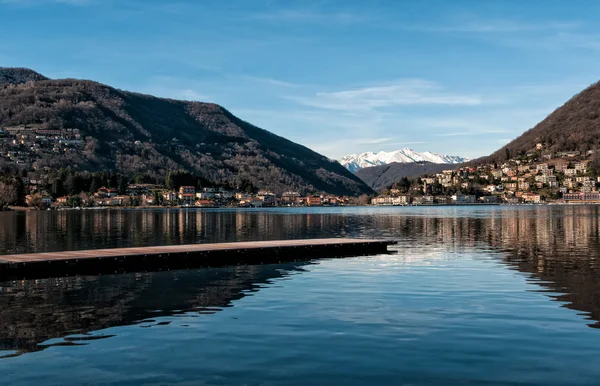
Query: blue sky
x=455 y=77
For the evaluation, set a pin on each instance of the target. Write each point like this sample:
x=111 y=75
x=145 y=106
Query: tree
x=403 y=185
x=63 y=173
x=113 y=181
x=176 y=179
x=122 y=185
x=57 y=187
x=158 y=198
x=94 y=185
x=595 y=164
x=36 y=200
x=143 y=179
x=74 y=201
x=8 y=195
x=364 y=199
x=247 y=186
x=20 y=190
x=74 y=184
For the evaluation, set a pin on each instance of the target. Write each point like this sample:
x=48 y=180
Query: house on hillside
x=187 y=198
x=313 y=200
x=267 y=198
x=47 y=200
x=497 y=173
x=583 y=196
x=290 y=198
x=582 y=166
x=205 y=203
x=531 y=198
x=62 y=200
x=570 y=172
x=490 y=199
x=561 y=166
x=187 y=190
x=463 y=199
x=106 y=192
x=170 y=196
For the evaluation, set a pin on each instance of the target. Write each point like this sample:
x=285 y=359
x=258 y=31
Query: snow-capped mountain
x=355 y=162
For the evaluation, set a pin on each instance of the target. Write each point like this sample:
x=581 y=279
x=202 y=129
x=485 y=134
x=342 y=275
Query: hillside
x=380 y=177
x=132 y=133
x=575 y=126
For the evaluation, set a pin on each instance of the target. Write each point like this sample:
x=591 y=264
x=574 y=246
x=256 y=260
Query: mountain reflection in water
x=558 y=246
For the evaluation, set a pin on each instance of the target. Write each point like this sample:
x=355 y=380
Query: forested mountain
x=132 y=133
x=382 y=176
x=575 y=126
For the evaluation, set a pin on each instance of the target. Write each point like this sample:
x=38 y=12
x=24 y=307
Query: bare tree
x=8 y=195
x=36 y=200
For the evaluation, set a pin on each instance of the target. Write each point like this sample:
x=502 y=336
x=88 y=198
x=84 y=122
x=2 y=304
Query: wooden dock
x=104 y=261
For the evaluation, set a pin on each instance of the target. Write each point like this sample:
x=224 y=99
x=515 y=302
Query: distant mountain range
x=132 y=134
x=574 y=127
x=355 y=162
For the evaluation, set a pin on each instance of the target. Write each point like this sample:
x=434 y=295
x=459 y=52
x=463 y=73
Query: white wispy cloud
x=455 y=134
x=344 y=146
x=269 y=81
x=372 y=141
x=45 y=2
x=308 y=16
x=404 y=92
x=557 y=41
x=550 y=35
x=189 y=94
x=175 y=88
x=481 y=25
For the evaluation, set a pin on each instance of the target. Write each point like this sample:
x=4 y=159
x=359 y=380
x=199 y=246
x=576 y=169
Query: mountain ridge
x=356 y=162
x=19 y=75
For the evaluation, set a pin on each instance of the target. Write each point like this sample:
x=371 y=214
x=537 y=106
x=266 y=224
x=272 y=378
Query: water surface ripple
x=473 y=295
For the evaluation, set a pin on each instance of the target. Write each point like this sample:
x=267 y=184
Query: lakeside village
x=534 y=178
x=148 y=195
x=20 y=146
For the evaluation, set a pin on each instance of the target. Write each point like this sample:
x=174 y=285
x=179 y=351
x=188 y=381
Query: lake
x=470 y=295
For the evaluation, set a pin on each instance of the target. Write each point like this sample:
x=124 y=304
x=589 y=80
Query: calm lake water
x=471 y=295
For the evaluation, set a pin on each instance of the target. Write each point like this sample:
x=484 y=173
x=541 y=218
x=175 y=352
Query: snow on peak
x=355 y=162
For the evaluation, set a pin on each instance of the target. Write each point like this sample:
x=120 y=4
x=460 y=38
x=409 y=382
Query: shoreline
x=28 y=209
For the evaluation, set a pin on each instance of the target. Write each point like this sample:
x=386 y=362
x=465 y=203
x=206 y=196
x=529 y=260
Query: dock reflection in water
x=35 y=311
